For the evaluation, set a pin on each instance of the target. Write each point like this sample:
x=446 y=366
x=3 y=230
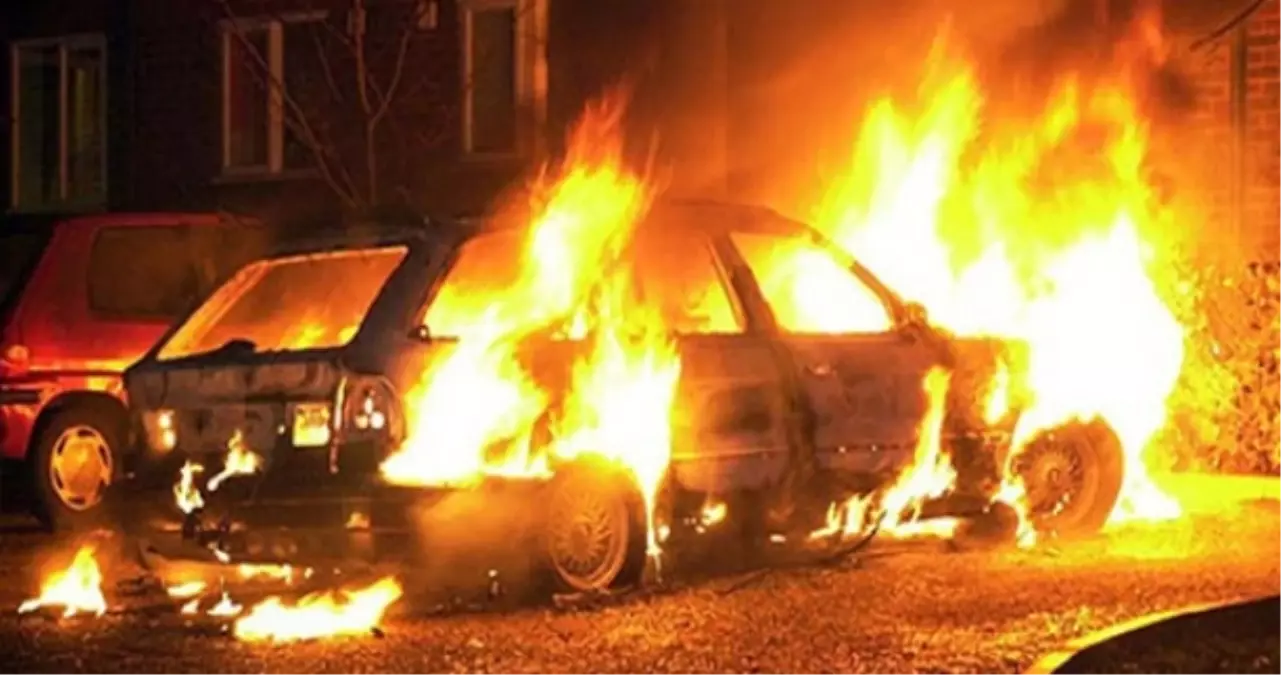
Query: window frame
x=720 y=272
x=529 y=71
x=64 y=43
x=840 y=259
x=274 y=26
x=101 y=314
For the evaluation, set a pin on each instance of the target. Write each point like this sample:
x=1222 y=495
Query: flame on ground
x=1023 y=229
x=77 y=589
x=351 y=612
x=187 y=589
x=476 y=408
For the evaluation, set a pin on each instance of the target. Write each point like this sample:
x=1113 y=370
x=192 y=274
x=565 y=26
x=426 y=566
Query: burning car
x=330 y=387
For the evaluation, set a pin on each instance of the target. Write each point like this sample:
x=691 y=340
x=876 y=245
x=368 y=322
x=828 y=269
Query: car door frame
x=819 y=446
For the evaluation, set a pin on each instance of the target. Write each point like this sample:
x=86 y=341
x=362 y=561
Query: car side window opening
x=678 y=277
x=141 y=272
x=486 y=269
x=808 y=289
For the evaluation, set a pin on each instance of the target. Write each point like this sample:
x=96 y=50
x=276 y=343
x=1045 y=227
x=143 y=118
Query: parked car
x=766 y=399
x=81 y=298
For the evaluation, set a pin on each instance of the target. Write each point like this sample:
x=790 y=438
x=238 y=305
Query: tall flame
x=1033 y=233
x=478 y=394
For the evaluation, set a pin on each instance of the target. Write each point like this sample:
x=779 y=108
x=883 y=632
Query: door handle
x=819 y=369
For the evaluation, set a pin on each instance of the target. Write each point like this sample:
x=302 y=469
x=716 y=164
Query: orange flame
x=185 y=492
x=240 y=461
x=76 y=589
x=1015 y=237
x=319 y=615
x=477 y=395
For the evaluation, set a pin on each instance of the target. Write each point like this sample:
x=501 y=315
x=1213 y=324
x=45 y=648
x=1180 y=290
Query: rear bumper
x=370 y=522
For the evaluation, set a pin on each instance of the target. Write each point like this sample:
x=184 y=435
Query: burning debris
x=77 y=589
x=240 y=461
x=351 y=612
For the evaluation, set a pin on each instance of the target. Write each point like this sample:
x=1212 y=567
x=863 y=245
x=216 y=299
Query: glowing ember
x=240 y=461
x=186 y=590
x=76 y=589
x=225 y=607
x=191 y=607
x=713 y=513
x=319 y=615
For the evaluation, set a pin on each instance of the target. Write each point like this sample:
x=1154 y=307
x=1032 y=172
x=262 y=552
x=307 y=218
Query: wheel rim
x=80 y=467
x=587 y=535
x=1062 y=479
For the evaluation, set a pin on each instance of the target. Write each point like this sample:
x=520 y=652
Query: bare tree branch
x=397 y=72
x=263 y=70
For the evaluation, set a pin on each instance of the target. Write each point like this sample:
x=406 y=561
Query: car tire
x=1073 y=474
x=593 y=528
x=72 y=467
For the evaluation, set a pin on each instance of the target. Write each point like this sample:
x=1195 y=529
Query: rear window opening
x=314 y=301
x=20 y=250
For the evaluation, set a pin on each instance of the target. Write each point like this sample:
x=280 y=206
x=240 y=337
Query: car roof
x=703 y=215
x=116 y=219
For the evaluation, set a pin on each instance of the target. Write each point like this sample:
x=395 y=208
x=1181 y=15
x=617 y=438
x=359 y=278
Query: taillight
x=368 y=408
x=15 y=360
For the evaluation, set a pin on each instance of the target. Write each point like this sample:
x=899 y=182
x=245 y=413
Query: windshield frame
x=224 y=298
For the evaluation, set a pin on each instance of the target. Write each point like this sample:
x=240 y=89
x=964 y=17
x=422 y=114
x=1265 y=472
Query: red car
x=81 y=298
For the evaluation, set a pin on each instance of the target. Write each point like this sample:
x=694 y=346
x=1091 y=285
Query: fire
x=930 y=474
x=188 y=589
x=319 y=614
x=225 y=607
x=477 y=395
x=185 y=492
x=1022 y=230
x=76 y=589
x=240 y=461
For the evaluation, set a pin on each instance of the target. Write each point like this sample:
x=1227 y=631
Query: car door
x=729 y=419
x=861 y=377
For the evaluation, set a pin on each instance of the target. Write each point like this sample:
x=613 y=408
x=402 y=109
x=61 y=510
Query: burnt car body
x=769 y=409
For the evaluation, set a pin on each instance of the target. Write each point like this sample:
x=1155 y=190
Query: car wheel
x=1073 y=477
x=594 y=528
x=73 y=465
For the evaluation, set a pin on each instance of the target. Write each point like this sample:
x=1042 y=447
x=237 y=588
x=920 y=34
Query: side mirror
x=421 y=333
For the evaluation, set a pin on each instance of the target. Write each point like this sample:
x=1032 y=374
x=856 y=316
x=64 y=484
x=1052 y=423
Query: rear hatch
x=22 y=244
x=258 y=366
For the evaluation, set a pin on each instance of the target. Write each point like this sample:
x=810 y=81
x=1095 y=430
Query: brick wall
x=1262 y=178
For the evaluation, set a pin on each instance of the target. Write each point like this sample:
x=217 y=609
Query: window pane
x=304 y=80
x=142 y=272
x=677 y=275
x=85 y=133
x=38 y=147
x=809 y=290
x=246 y=97
x=486 y=268
x=296 y=303
x=493 y=67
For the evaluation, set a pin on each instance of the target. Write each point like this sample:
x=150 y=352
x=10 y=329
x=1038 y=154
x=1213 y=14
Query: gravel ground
x=898 y=608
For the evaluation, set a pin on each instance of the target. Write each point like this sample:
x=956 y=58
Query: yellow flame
x=1027 y=231
x=931 y=473
x=186 y=589
x=240 y=461
x=225 y=607
x=318 y=615
x=76 y=589
x=186 y=493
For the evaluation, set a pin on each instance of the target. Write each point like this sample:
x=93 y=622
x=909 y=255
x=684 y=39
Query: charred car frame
x=767 y=413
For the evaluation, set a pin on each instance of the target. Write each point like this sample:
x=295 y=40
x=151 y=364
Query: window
x=808 y=289
x=261 y=60
x=677 y=275
x=59 y=123
x=504 y=73
x=141 y=272
x=486 y=268
x=297 y=303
